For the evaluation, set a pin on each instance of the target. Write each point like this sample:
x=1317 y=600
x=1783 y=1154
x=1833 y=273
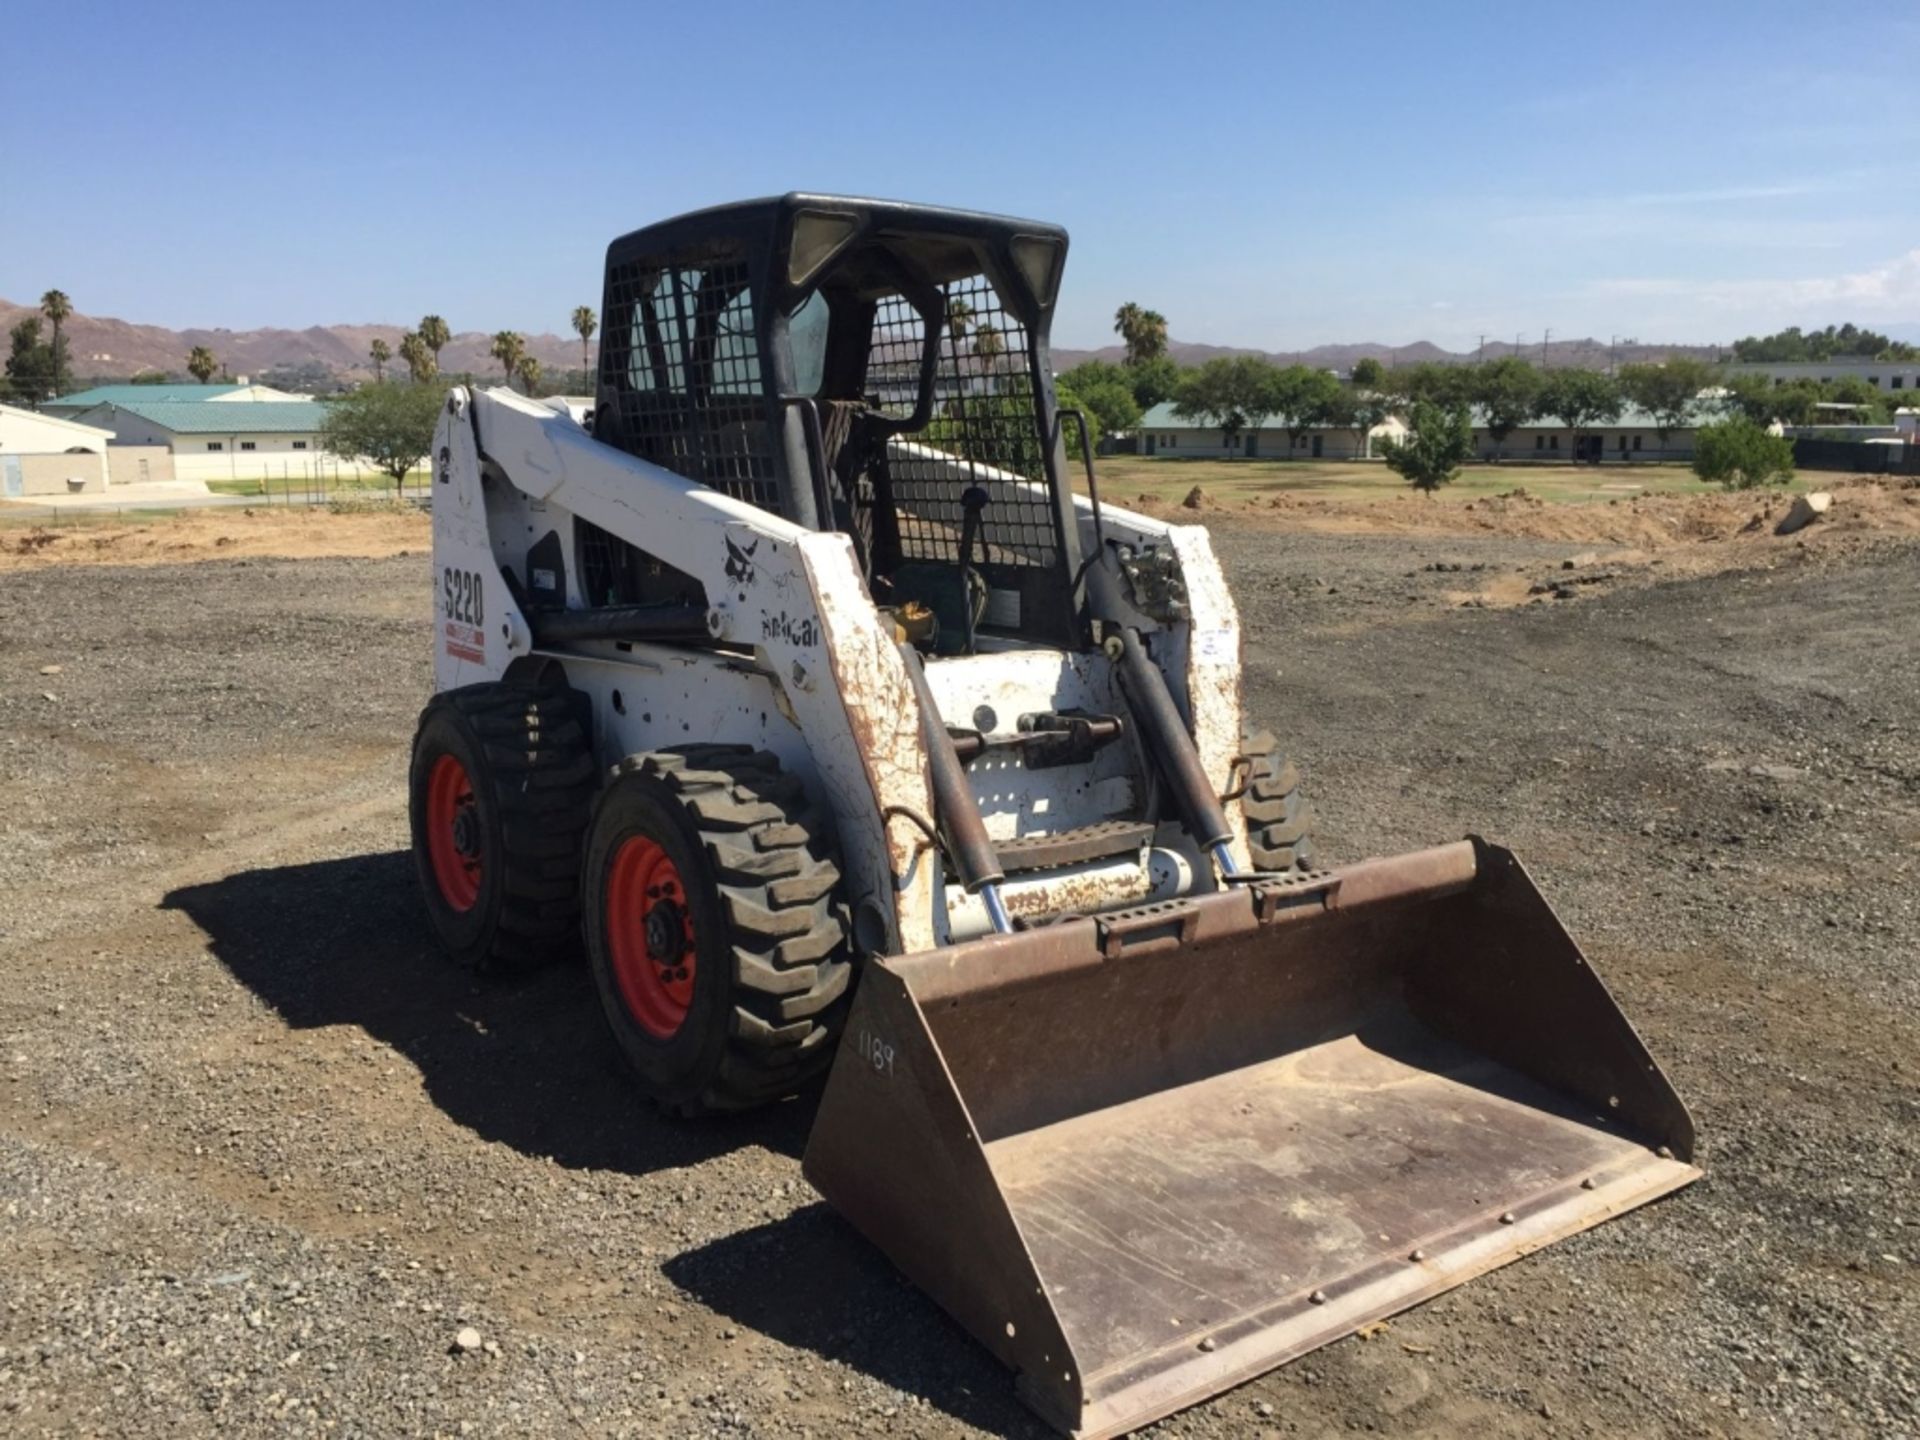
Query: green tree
x=57 y=308
x=1368 y=373
x=1852 y=390
x=1111 y=403
x=435 y=336
x=508 y=347
x=390 y=427
x=1359 y=411
x=1104 y=390
x=529 y=369
x=1740 y=455
x=419 y=359
x=1793 y=403
x=1507 y=394
x=1234 y=393
x=1070 y=399
x=201 y=363
x=1142 y=331
x=1792 y=344
x=1749 y=395
x=1307 y=399
x=1443 y=385
x=585 y=322
x=1580 y=398
x=1153 y=381
x=380 y=354
x=1669 y=391
x=1439 y=441
x=30 y=363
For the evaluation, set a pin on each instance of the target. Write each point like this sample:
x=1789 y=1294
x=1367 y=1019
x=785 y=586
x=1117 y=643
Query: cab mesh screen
x=686 y=367
x=985 y=419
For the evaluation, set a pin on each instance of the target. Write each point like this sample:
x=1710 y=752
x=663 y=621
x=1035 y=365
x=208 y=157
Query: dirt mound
x=223 y=534
x=1862 y=505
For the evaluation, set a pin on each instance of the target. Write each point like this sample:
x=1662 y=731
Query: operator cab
x=869 y=367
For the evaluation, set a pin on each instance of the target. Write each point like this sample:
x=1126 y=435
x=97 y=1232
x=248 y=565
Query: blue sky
x=1265 y=175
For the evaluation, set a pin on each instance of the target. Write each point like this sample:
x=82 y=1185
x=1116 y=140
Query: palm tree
x=201 y=364
x=959 y=319
x=1153 y=334
x=434 y=335
x=1143 y=331
x=585 y=322
x=508 y=348
x=420 y=361
x=56 y=307
x=988 y=345
x=380 y=354
x=529 y=368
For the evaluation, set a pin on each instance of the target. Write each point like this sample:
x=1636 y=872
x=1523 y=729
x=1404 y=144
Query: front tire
x=1279 y=819
x=499 y=793
x=715 y=929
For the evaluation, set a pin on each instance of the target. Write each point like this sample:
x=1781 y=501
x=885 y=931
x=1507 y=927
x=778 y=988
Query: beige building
x=45 y=455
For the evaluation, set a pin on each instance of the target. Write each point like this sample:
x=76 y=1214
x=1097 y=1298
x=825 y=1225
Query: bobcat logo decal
x=740 y=562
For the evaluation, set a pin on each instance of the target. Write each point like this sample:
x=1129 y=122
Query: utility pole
x=1481 y=353
x=1546 y=338
x=1613 y=354
x=1517 y=338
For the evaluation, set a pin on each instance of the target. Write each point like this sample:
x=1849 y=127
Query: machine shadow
x=526 y=1061
x=812 y=1282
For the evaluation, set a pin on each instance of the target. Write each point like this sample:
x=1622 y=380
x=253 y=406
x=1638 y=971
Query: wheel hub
x=650 y=934
x=453 y=834
x=666 y=933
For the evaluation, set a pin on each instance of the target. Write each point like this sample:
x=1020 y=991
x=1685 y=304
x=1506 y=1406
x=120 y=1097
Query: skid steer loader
x=793 y=678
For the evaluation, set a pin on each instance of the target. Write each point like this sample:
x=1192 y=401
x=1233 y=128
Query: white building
x=1888 y=375
x=46 y=455
x=229 y=437
x=1169 y=435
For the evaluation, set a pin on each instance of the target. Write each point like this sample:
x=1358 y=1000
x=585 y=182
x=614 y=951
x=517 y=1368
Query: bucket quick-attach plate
x=1146 y=1157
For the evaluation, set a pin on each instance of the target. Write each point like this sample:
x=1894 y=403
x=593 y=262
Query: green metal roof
x=127 y=394
x=225 y=417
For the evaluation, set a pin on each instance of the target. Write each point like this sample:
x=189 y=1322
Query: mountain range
x=1561 y=354
x=106 y=348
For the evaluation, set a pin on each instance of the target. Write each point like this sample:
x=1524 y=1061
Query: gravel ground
x=267 y=1163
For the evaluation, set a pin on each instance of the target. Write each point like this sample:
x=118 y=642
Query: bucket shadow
x=525 y=1061
x=811 y=1282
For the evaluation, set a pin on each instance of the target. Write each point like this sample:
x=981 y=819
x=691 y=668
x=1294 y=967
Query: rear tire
x=715 y=927
x=499 y=792
x=1279 y=818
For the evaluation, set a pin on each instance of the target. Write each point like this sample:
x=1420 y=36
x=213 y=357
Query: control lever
x=973 y=500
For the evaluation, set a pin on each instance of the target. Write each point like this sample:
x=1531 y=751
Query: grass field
x=1123 y=477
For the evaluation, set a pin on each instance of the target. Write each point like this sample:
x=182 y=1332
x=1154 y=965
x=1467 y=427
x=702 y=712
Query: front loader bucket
x=1147 y=1156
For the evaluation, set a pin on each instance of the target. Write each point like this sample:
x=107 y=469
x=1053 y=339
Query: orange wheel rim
x=650 y=936
x=453 y=833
